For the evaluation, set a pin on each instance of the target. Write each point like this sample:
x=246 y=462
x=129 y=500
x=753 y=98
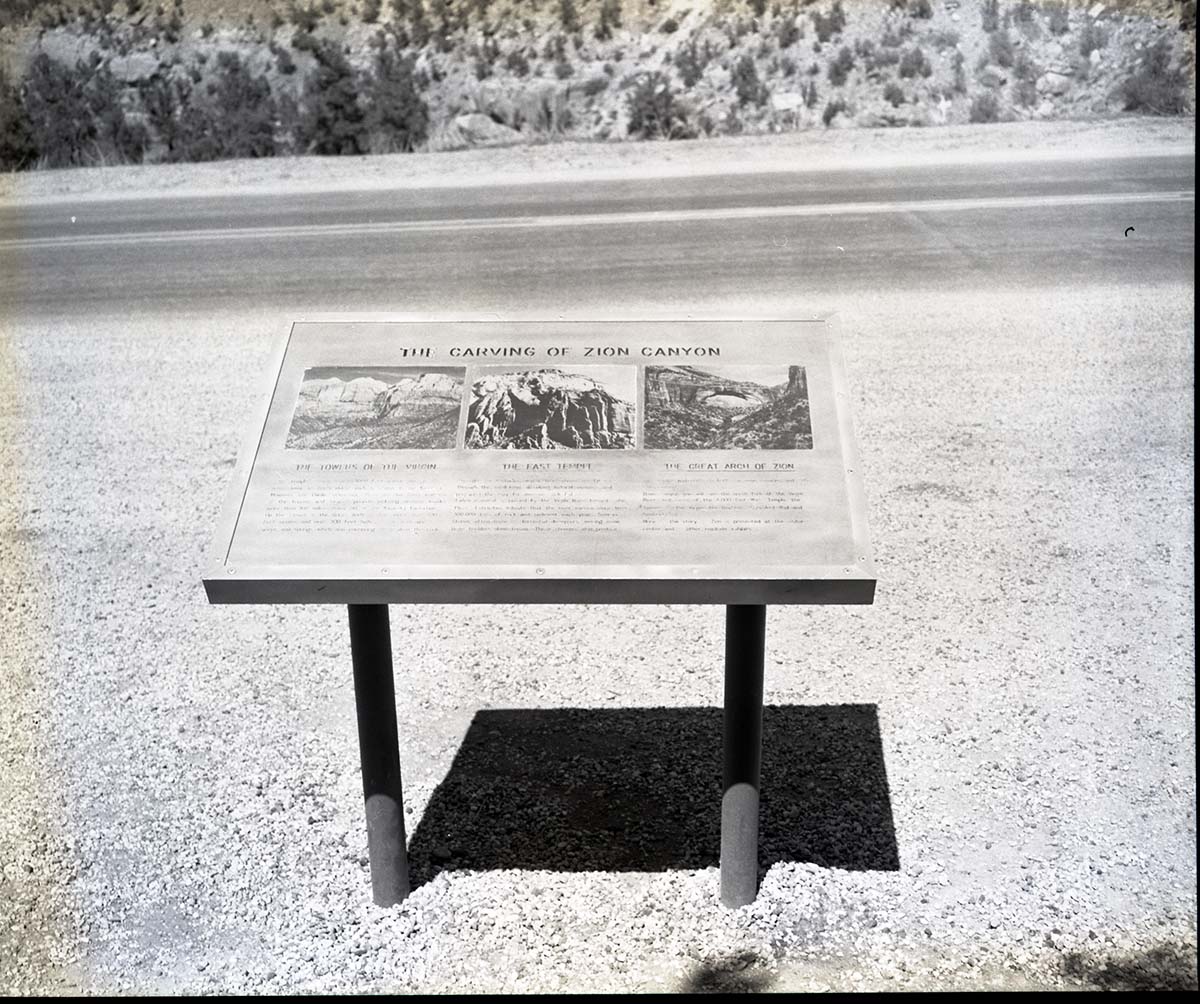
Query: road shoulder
x=581 y=163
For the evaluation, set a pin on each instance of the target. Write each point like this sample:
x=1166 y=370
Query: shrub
x=1000 y=48
x=893 y=37
x=409 y=23
x=332 y=120
x=1156 y=86
x=1093 y=36
x=567 y=15
x=594 y=85
x=542 y=110
x=163 y=99
x=610 y=18
x=304 y=18
x=562 y=69
x=283 y=60
x=1025 y=93
x=17 y=149
x=690 y=62
x=653 y=111
x=1027 y=23
x=945 y=39
x=787 y=31
x=840 y=68
x=1024 y=68
x=669 y=26
x=914 y=63
x=76 y=116
x=170 y=27
x=883 y=57
x=832 y=110
x=233 y=116
x=397 y=117
x=788 y=66
x=446 y=19
x=746 y=83
x=517 y=63
x=922 y=9
x=991 y=15
x=809 y=93
x=828 y=25
x=370 y=11
x=985 y=108
x=893 y=94
x=1057 y=17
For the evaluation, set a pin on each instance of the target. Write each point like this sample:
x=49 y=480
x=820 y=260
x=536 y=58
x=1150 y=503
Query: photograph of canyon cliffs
x=727 y=408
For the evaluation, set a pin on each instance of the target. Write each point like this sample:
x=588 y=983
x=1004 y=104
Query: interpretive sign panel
x=549 y=462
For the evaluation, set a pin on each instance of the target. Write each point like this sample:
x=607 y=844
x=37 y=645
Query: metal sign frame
x=852 y=581
x=367 y=590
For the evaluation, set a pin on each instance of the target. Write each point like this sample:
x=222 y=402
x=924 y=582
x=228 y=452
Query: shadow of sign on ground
x=639 y=789
x=1164 y=967
x=743 y=972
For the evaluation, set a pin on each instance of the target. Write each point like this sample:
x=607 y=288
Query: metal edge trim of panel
x=849 y=591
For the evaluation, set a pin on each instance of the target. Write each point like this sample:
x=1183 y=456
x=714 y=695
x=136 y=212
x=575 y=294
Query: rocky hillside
x=128 y=80
x=547 y=410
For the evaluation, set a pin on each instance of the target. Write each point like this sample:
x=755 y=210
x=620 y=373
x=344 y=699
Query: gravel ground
x=987 y=779
x=185 y=813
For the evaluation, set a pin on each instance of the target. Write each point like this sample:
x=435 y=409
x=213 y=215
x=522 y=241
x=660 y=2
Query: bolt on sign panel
x=549 y=462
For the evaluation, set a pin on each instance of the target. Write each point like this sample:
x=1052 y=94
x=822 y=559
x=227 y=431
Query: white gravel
x=181 y=809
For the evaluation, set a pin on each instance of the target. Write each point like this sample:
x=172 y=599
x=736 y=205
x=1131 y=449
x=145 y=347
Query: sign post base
x=745 y=634
x=378 y=744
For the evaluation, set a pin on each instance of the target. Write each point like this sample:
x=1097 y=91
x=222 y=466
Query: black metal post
x=745 y=635
x=379 y=748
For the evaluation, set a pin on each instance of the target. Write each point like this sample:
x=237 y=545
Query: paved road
x=776 y=237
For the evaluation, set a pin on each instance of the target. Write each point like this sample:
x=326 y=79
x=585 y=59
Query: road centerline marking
x=648 y=217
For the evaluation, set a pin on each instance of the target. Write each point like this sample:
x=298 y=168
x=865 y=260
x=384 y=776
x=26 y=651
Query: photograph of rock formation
x=371 y=408
x=727 y=408
x=589 y=408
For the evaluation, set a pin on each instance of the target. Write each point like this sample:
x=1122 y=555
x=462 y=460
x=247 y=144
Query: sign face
x=550 y=462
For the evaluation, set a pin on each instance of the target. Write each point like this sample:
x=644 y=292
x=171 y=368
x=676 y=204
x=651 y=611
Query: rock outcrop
x=432 y=389
x=687 y=386
x=546 y=410
x=334 y=391
x=694 y=409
